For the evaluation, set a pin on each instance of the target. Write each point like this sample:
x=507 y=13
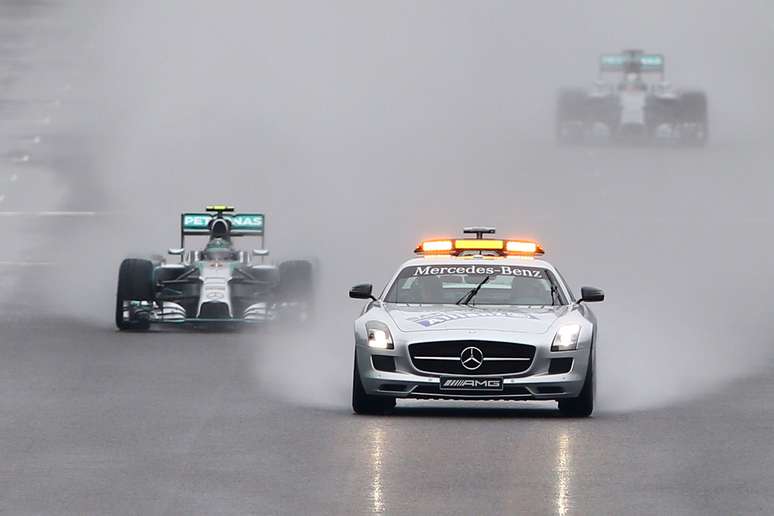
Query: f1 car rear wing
x=632 y=61
x=242 y=224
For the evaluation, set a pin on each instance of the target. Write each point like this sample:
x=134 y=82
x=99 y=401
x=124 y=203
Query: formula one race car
x=475 y=319
x=630 y=108
x=216 y=286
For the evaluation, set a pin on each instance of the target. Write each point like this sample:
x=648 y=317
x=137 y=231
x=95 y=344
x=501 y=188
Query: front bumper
x=535 y=383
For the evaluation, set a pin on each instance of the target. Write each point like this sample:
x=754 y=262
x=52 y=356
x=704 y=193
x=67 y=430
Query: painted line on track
x=53 y=213
x=26 y=264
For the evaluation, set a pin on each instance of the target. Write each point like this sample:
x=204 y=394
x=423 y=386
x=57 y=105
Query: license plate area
x=456 y=383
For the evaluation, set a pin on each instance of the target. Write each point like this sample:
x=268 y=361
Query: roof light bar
x=482 y=244
x=523 y=247
x=435 y=247
x=485 y=245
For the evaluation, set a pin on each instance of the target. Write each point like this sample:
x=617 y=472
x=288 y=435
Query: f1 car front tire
x=135 y=283
x=295 y=280
x=694 y=118
x=363 y=403
x=296 y=287
x=571 y=115
x=583 y=405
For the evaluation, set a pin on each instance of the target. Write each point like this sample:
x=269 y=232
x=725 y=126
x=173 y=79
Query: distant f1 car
x=631 y=109
x=217 y=285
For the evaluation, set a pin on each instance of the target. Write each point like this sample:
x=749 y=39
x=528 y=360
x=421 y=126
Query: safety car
x=475 y=319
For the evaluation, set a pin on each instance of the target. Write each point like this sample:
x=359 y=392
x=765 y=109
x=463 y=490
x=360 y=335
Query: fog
x=361 y=127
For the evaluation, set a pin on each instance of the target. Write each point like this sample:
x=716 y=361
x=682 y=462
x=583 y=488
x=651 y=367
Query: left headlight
x=379 y=335
x=566 y=338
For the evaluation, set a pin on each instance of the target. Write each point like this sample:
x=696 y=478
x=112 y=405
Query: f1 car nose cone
x=471 y=358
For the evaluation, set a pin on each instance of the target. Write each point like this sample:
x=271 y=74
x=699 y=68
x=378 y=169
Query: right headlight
x=566 y=338
x=379 y=335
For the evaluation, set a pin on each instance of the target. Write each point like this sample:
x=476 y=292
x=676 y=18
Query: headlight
x=379 y=335
x=566 y=338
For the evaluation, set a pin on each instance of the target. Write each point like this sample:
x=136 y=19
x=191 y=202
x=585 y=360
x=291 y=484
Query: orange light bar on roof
x=435 y=247
x=479 y=244
x=502 y=247
x=523 y=247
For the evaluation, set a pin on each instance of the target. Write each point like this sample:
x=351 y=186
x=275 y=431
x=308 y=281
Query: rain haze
x=360 y=128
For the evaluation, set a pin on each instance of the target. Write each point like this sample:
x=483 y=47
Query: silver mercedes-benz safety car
x=475 y=319
x=626 y=105
x=218 y=285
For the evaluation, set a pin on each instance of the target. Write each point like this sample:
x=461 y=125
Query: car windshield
x=451 y=284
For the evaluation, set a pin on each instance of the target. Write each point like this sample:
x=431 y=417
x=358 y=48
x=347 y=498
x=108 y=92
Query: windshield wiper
x=469 y=295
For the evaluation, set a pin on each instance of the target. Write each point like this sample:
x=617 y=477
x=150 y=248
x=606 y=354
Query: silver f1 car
x=475 y=319
x=218 y=285
x=631 y=108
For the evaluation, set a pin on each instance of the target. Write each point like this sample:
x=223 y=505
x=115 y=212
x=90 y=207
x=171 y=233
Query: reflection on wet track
x=376 y=438
x=563 y=474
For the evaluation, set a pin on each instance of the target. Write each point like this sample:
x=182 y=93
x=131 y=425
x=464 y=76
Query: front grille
x=443 y=357
x=434 y=391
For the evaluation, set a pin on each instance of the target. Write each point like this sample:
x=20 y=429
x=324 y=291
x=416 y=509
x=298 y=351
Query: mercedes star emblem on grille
x=471 y=358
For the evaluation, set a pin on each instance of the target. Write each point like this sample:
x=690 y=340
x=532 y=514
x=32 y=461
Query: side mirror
x=363 y=291
x=260 y=252
x=176 y=251
x=591 y=295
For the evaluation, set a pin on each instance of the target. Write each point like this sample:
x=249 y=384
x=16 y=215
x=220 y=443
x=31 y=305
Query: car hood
x=522 y=319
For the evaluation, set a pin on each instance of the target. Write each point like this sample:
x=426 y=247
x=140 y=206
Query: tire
x=135 y=283
x=295 y=283
x=571 y=115
x=363 y=403
x=693 y=110
x=296 y=290
x=583 y=405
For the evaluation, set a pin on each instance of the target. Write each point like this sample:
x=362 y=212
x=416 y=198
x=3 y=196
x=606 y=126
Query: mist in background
x=361 y=127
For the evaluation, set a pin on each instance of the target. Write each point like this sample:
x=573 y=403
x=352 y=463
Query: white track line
x=26 y=264
x=51 y=213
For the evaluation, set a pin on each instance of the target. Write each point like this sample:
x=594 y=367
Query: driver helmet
x=219 y=249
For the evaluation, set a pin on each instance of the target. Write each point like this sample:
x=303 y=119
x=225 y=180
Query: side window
x=567 y=285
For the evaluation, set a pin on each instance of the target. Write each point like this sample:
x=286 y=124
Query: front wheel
x=135 y=287
x=363 y=403
x=693 y=118
x=571 y=115
x=583 y=405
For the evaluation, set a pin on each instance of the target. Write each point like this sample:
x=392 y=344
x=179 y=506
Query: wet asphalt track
x=97 y=422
